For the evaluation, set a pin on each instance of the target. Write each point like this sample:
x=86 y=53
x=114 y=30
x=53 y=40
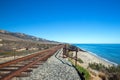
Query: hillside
x=6 y=35
x=17 y=41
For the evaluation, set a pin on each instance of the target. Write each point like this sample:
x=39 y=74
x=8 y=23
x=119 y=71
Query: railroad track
x=21 y=67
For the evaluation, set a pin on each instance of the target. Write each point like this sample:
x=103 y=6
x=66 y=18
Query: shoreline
x=88 y=57
x=106 y=60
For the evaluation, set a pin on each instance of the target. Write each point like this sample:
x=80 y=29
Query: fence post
x=76 y=57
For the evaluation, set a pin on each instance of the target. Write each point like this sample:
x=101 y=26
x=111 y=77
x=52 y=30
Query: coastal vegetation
x=96 y=66
x=84 y=72
x=80 y=60
x=111 y=72
x=81 y=70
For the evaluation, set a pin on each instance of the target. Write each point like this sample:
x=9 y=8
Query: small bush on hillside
x=113 y=72
x=79 y=60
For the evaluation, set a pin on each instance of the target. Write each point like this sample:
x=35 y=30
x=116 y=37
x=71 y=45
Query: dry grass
x=102 y=76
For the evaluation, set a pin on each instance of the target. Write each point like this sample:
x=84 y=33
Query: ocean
x=108 y=52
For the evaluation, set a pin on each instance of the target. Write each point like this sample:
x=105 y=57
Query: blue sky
x=73 y=21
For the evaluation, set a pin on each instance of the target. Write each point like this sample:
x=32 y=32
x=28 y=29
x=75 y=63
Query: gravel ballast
x=55 y=68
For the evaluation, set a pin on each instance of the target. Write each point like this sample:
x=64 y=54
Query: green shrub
x=96 y=66
x=79 y=60
x=81 y=69
x=113 y=72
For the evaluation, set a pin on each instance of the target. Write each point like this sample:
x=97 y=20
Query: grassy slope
x=81 y=69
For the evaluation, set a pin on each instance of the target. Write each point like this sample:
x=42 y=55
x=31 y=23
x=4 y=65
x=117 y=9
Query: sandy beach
x=90 y=58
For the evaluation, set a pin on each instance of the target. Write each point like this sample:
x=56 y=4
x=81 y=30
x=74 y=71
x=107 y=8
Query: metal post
x=76 y=57
x=64 y=51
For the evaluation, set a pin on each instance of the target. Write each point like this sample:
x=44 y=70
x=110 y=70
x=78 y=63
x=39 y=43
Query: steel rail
x=35 y=58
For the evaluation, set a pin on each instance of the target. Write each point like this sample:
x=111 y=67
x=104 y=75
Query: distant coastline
x=102 y=60
x=87 y=58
